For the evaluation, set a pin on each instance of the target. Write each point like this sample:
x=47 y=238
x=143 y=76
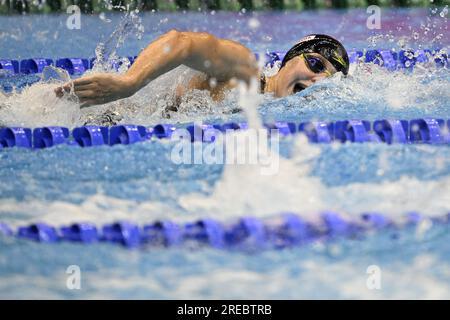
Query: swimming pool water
x=139 y=182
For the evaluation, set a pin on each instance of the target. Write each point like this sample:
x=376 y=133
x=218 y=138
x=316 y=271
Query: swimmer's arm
x=218 y=58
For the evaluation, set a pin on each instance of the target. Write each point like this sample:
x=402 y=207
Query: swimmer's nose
x=318 y=78
x=312 y=80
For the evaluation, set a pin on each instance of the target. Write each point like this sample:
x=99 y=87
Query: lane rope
x=392 y=60
x=417 y=131
x=280 y=231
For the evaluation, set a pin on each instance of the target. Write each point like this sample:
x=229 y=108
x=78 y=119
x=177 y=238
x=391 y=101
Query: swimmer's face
x=301 y=72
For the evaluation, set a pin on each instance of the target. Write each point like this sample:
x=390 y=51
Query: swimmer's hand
x=98 y=89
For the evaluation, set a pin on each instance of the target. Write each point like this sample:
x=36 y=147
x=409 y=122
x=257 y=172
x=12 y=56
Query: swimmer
x=312 y=59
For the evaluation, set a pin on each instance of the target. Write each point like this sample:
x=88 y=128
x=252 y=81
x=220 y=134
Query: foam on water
x=36 y=106
x=243 y=190
x=369 y=92
x=295 y=186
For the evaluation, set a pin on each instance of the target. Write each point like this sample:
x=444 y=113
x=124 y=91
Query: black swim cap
x=328 y=47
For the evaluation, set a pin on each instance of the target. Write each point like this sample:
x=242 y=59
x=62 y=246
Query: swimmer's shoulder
x=217 y=89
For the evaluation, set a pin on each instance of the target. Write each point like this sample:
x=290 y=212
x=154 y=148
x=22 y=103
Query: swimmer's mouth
x=298 y=87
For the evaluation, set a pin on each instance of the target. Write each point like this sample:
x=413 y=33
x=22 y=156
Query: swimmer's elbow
x=198 y=44
x=179 y=43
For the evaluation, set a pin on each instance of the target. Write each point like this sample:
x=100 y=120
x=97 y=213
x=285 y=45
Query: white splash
x=38 y=105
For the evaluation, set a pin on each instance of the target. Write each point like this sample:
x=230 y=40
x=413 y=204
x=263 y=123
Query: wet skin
x=223 y=60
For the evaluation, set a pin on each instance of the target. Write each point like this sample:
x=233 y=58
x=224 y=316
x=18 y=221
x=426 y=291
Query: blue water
x=34 y=36
x=140 y=183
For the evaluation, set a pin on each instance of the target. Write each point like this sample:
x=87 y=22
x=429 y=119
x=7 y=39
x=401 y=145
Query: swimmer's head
x=313 y=58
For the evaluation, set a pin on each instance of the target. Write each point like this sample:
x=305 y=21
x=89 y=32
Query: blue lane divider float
x=15 y=137
x=73 y=65
x=318 y=132
x=128 y=134
x=206 y=231
x=284 y=128
x=231 y=126
x=383 y=58
x=80 y=232
x=392 y=60
x=204 y=133
x=288 y=230
x=280 y=231
x=354 y=131
x=38 y=232
x=355 y=56
x=248 y=231
x=124 y=233
x=89 y=136
x=49 y=136
x=11 y=66
x=426 y=131
x=35 y=65
x=209 y=132
x=375 y=220
x=392 y=131
x=162 y=131
x=164 y=233
x=403 y=59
